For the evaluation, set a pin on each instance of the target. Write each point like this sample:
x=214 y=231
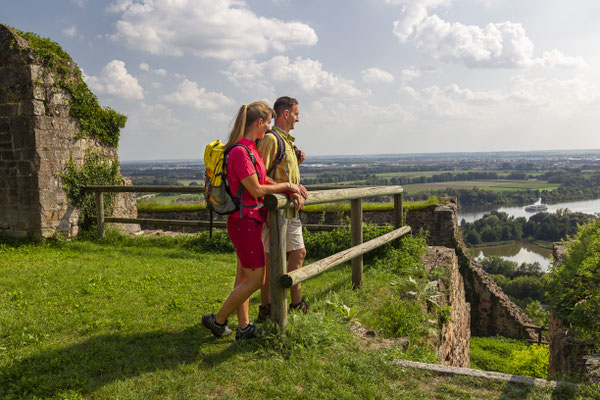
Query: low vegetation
x=509 y=356
x=574 y=289
x=118 y=318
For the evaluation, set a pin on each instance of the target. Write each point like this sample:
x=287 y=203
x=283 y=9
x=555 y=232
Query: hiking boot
x=301 y=306
x=249 y=332
x=264 y=313
x=210 y=322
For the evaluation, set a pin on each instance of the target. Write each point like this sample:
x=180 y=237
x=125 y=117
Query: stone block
x=21 y=124
x=32 y=107
x=43 y=123
x=5 y=137
x=14 y=75
x=26 y=155
x=16 y=94
x=23 y=139
x=4 y=124
x=9 y=110
x=8 y=146
x=7 y=155
x=39 y=92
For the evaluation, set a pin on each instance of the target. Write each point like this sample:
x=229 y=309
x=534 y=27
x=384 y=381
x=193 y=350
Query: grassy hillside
x=118 y=318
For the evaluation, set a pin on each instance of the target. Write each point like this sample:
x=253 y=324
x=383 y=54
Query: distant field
x=174 y=198
x=493 y=185
x=186 y=182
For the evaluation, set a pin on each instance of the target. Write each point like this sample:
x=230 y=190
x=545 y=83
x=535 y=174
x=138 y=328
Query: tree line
x=498 y=226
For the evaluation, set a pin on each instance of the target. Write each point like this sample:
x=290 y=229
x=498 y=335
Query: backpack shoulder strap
x=239 y=196
x=280 y=152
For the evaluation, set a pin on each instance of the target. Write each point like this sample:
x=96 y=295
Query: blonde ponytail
x=246 y=116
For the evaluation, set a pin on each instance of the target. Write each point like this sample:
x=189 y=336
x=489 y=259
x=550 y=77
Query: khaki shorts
x=293 y=237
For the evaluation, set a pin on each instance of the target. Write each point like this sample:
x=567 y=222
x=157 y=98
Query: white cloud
x=70 y=31
x=79 y=3
x=409 y=74
x=549 y=97
x=376 y=75
x=222 y=29
x=189 y=94
x=158 y=71
x=496 y=45
x=115 y=80
x=300 y=74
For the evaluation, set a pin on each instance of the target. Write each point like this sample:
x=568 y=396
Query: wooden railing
x=281 y=280
x=538 y=330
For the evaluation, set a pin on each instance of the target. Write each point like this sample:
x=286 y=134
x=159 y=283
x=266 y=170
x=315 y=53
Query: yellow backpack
x=216 y=188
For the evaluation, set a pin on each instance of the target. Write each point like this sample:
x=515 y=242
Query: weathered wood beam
x=279 y=201
x=300 y=275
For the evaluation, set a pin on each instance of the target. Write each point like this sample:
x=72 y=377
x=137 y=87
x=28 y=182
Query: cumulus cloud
x=115 y=80
x=496 y=45
x=541 y=95
x=158 y=71
x=222 y=29
x=70 y=31
x=189 y=94
x=301 y=73
x=376 y=75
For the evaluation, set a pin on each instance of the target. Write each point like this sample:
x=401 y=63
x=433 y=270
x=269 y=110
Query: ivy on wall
x=96 y=170
x=103 y=123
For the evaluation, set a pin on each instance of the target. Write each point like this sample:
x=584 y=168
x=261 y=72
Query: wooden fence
x=281 y=280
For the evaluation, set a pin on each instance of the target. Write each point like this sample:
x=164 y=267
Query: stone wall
x=492 y=312
x=37 y=137
x=454 y=339
x=569 y=356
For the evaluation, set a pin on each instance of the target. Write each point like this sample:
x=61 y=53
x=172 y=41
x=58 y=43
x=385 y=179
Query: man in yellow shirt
x=281 y=159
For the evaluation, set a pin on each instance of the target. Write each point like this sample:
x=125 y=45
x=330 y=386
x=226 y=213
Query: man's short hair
x=284 y=103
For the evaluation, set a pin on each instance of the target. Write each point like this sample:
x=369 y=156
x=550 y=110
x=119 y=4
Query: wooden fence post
x=398 y=211
x=357 y=238
x=100 y=213
x=277 y=260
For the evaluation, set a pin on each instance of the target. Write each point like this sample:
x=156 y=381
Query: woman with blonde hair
x=245 y=227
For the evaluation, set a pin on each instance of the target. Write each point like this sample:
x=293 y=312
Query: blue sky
x=371 y=76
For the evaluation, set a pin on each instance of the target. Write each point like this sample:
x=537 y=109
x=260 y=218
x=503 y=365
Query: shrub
x=509 y=356
x=574 y=288
x=530 y=361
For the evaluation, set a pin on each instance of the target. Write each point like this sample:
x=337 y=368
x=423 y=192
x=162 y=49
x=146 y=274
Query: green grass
x=118 y=318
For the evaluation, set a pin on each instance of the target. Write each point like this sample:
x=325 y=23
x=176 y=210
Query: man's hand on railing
x=303 y=191
x=298 y=200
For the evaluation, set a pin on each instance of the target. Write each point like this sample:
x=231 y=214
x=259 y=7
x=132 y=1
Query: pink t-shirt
x=239 y=166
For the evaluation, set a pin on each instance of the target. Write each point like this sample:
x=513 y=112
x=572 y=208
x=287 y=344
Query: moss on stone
x=103 y=123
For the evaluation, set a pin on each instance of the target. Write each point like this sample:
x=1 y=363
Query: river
x=523 y=251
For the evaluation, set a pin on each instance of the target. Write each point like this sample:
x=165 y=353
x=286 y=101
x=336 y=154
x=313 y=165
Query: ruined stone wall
x=37 y=137
x=19 y=205
x=492 y=312
x=455 y=334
